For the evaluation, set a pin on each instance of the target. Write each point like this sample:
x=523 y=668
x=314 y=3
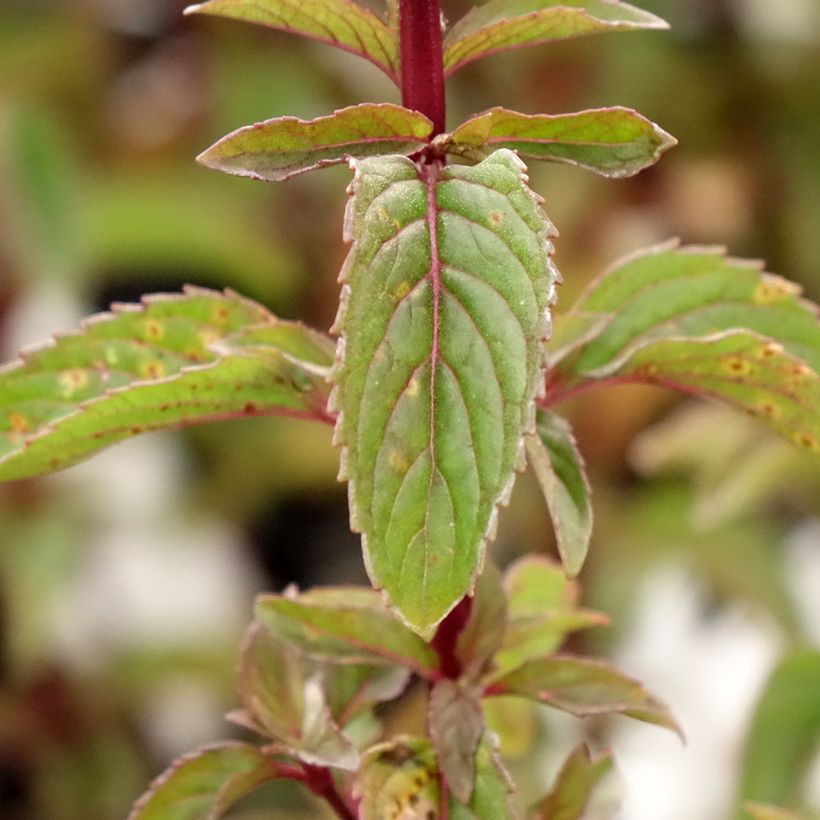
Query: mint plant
x=441 y=375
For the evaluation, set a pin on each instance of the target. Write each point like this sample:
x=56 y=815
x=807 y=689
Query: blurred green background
x=126 y=582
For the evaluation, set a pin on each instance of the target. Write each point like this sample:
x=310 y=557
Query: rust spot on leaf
x=496 y=218
x=152 y=369
x=250 y=407
x=153 y=329
x=738 y=366
x=19 y=423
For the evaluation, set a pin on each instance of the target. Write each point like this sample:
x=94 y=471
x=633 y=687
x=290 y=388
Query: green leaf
x=341 y=23
x=278 y=149
x=571 y=331
x=614 y=142
x=456 y=724
x=203 y=785
x=583 y=687
x=570 y=794
x=484 y=630
x=673 y=292
x=694 y=320
x=352 y=626
x=543 y=609
x=175 y=360
x=746 y=370
x=500 y=25
x=398 y=779
x=493 y=789
x=560 y=471
x=782 y=739
x=284 y=699
x=444 y=312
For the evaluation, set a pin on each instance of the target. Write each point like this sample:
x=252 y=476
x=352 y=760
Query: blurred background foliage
x=126 y=583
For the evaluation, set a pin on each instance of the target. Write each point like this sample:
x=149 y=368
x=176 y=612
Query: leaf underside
x=614 y=142
x=341 y=23
x=444 y=312
x=171 y=361
x=571 y=792
x=500 y=25
x=695 y=320
x=278 y=149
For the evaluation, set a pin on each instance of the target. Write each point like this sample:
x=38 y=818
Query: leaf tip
x=194 y=8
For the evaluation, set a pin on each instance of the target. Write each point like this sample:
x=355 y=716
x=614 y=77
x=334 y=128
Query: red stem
x=320 y=781
x=445 y=641
x=422 y=72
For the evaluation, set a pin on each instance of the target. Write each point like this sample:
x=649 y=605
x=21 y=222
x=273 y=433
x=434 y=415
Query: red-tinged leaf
x=456 y=724
x=542 y=611
x=399 y=779
x=571 y=792
x=559 y=468
x=484 y=630
x=341 y=23
x=583 y=687
x=571 y=331
x=172 y=361
x=749 y=372
x=614 y=142
x=493 y=789
x=445 y=303
x=203 y=785
x=349 y=626
x=500 y=25
x=284 y=698
x=278 y=149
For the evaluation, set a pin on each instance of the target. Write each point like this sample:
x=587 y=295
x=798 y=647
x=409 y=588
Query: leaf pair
x=614 y=142
x=497 y=25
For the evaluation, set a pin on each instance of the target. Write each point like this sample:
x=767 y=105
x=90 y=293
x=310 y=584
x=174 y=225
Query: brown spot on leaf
x=250 y=407
x=19 y=423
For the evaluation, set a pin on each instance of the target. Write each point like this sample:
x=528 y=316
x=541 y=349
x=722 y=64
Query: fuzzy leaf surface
x=446 y=293
x=613 y=142
x=351 y=627
x=275 y=150
x=174 y=360
x=559 y=468
x=583 y=687
x=203 y=785
x=501 y=25
x=695 y=320
x=341 y=23
x=570 y=794
x=542 y=610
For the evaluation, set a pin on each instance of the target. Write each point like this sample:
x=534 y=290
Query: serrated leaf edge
x=545 y=234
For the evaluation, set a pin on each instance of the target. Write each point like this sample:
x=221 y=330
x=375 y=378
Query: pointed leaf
x=484 y=630
x=571 y=331
x=493 y=789
x=560 y=471
x=203 y=785
x=500 y=25
x=175 y=360
x=456 y=724
x=543 y=609
x=731 y=331
x=444 y=310
x=784 y=733
x=398 y=779
x=278 y=149
x=570 y=794
x=283 y=695
x=583 y=687
x=614 y=142
x=357 y=628
x=341 y=23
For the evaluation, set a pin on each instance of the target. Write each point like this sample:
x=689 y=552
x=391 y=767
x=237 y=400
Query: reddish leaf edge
x=388 y=67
